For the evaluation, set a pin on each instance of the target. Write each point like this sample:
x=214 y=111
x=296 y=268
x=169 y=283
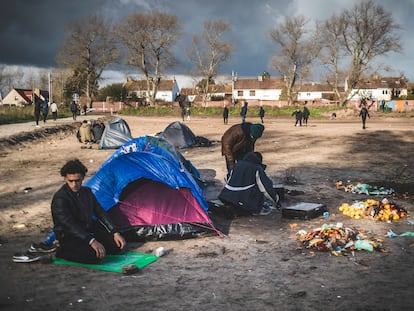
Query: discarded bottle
x=325 y=215
x=51 y=238
x=363 y=244
x=160 y=251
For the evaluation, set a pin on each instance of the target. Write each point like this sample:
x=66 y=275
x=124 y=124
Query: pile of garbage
x=339 y=240
x=361 y=188
x=378 y=210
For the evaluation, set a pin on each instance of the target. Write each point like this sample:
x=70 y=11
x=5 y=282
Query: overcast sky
x=31 y=31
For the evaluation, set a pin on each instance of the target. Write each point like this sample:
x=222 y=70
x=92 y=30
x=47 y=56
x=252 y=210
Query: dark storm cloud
x=32 y=31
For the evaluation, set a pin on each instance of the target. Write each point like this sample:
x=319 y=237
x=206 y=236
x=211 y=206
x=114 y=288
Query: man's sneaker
x=266 y=210
x=25 y=257
x=42 y=247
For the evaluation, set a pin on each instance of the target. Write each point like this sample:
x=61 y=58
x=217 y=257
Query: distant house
x=168 y=90
x=317 y=92
x=23 y=97
x=260 y=88
x=379 y=88
x=215 y=92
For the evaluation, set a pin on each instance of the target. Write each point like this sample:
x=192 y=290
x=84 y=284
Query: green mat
x=113 y=263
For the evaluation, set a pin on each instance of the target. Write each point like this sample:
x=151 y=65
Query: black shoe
x=42 y=247
x=25 y=257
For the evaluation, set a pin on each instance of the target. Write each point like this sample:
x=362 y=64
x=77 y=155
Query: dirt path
x=260 y=265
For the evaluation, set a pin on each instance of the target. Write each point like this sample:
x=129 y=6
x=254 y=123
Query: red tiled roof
x=256 y=84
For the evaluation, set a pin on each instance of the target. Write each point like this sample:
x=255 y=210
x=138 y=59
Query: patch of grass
x=11 y=115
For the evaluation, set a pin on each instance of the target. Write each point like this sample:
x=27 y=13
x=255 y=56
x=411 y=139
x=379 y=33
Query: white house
x=259 y=88
x=167 y=90
x=379 y=88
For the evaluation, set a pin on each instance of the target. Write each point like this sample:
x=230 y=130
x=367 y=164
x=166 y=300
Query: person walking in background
x=243 y=112
x=298 y=115
x=306 y=114
x=225 y=115
x=188 y=113
x=238 y=140
x=74 y=110
x=364 y=114
x=37 y=108
x=54 y=110
x=45 y=109
x=261 y=113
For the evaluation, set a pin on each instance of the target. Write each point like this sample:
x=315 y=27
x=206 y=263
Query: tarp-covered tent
x=180 y=136
x=146 y=186
x=116 y=133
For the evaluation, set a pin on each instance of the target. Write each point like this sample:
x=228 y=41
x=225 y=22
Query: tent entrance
x=149 y=203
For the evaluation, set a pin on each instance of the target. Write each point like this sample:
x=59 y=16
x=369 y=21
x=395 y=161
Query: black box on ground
x=303 y=210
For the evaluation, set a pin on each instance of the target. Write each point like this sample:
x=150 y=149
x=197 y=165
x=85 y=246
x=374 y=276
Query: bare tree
x=208 y=52
x=330 y=35
x=364 y=32
x=297 y=51
x=149 y=39
x=87 y=50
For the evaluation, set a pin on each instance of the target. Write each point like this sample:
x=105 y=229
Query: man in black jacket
x=84 y=230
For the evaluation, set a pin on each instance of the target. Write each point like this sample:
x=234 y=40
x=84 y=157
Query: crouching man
x=83 y=229
x=249 y=188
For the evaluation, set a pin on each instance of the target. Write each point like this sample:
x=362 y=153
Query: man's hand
x=119 y=240
x=99 y=249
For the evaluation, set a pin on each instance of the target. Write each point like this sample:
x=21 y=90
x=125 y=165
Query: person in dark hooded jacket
x=238 y=140
x=248 y=187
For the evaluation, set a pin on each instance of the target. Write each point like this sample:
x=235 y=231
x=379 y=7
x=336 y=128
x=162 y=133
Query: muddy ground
x=259 y=264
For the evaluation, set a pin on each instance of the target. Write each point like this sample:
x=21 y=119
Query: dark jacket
x=364 y=113
x=248 y=185
x=306 y=113
x=73 y=213
x=236 y=142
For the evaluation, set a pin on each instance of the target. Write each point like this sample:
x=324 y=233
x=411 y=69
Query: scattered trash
x=325 y=215
x=19 y=226
x=27 y=189
x=338 y=240
x=130 y=269
x=377 y=210
x=361 y=188
x=391 y=234
x=160 y=251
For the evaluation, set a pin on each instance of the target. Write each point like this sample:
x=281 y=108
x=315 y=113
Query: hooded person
x=85 y=133
x=248 y=187
x=238 y=140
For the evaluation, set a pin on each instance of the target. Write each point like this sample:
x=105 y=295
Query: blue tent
x=145 y=185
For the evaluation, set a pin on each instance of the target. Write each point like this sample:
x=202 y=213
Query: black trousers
x=74 y=249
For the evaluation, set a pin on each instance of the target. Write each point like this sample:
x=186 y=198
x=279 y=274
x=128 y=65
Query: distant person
x=85 y=108
x=98 y=129
x=225 y=115
x=37 y=109
x=243 y=112
x=188 y=113
x=183 y=113
x=248 y=187
x=306 y=114
x=74 y=110
x=54 y=110
x=85 y=133
x=298 y=116
x=238 y=140
x=84 y=230
x=364 y=114
x=45 y=109
x=261 y=113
